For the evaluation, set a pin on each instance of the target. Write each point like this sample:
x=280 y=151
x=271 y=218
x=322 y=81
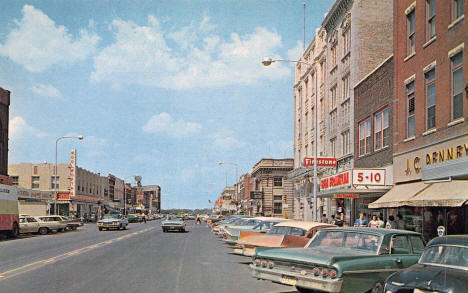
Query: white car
x=113 y=222
x=28 y=224
x=51 y=223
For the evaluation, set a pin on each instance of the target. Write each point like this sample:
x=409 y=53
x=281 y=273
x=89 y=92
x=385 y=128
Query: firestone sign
x=321 y=162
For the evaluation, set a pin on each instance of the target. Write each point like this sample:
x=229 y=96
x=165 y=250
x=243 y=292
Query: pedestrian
x=361 y=221
x=391 y=224
x=381 y=222
x=400 y=222
x=144 y=218
x=333 y=220
x=324 y=218
x=339 y=220
x=373 y=223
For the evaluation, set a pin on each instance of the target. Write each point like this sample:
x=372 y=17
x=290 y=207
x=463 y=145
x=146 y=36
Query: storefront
x=431 y=189
x=349 y=193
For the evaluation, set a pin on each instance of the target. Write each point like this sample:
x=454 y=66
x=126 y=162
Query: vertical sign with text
x=73 y=173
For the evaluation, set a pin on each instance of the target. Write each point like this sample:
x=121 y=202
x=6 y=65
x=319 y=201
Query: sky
x=160 y=89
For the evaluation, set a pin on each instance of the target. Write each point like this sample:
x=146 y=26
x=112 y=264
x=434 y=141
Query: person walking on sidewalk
x=144 y=218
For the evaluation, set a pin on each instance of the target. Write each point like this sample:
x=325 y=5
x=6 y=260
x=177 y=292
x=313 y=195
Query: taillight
x=332 y=274
x=257 y=262
x=263 y=263
x=224 y=235
x=323 y=273
x=315 y=271
x=270 y=264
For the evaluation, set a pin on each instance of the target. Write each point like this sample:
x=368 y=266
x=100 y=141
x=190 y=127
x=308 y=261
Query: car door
x=402 y=252
x=33 y=225
x=23 y=225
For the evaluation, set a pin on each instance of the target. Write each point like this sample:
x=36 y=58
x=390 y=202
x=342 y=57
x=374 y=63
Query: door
x=33 y=225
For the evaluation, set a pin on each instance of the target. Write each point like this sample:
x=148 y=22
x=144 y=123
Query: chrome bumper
x=296 y=279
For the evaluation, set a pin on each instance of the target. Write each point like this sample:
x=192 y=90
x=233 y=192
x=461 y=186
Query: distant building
x=4 y=121
x=152 y=198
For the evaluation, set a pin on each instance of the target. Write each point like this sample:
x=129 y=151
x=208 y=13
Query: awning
x=443 y=194
x=399 y=195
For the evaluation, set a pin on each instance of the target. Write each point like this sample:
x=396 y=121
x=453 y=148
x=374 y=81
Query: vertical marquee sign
x=73 y=173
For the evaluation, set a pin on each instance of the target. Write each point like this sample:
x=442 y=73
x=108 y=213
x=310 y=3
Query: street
x=140 y=259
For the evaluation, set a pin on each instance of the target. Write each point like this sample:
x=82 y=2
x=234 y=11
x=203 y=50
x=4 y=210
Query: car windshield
x=263 y=225
x=278 y=230
x=172 y=218
x=344 y=239
x=110 y=217
x=445 y=255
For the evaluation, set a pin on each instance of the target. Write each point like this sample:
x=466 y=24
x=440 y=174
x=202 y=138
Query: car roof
x=302 y=224
x=380 y=231
x=450 y=239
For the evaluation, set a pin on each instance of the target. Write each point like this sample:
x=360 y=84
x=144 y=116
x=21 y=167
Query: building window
x=346 y=87
x=345 y=137
x=322 y=145
x=430 y=19
x=457 y=9
x=381 y=130
x=346 y=108
x=457 y=85
x=410 y=109
x=430 y=99
x=333 y=147
x=277 y=181
x=333 y=120
x=14 y=180
x=278 y=207
x=278 y=198
x=333 y=56
x=54 y=182
x=306 y=86
x=346 y=41
x=365 y=137
x=410 y=32
x=333 y=98
x=35 y=182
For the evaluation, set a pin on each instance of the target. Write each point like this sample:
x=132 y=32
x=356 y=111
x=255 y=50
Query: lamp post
x=237 y=169
x=79 y=137
x=266 y=62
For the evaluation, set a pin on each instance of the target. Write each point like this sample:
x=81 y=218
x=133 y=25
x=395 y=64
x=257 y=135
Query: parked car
x=72 y=222
x=51 y=223
x=264 y=224
x=28 y=224
x=285 y=234
x=113 y=221
x=133 y=219
x=173 y=223
x=340 y=260
x=443 y=267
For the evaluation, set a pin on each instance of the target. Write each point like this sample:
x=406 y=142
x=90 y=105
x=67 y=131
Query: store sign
x=63 y=196
x=336 y=181
x=73 y=173
x=374 y=177
x=347 y=196
x=321 y=162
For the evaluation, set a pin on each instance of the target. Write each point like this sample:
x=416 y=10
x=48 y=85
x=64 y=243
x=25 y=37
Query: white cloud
x=38 y=43
x=198 y=58
x=224 y=140
x=164 y=123
x=46 y=90
x=20 y=129
x=296 y=52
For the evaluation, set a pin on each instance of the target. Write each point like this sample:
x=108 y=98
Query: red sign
x=347 y=196
x=321 y=162
x=63 y=196
x=339 y=180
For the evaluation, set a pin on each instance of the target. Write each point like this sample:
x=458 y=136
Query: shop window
x=457 y=86
x=410 y=107
x=381 y=129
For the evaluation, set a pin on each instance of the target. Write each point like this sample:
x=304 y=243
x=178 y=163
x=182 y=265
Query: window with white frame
x=346 y=108
x=322 y=144
x=54 y=182
x=430 y=99
x=457 y=9
x=410 y=109
x=347 y=41
x=333 y=55
x=410 y=33
x=333 y=98
x=381 y=129
x=346 y=145
x=333 y=147
x=365 y=137
x=35 y=181
x=14 y=180
x=277 y=181
x=333 y=120
x=346 y=87
x=430 y=19
x=457 y=85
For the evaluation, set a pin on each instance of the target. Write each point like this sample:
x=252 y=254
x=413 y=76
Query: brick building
x=4 y=120
x=430 y=151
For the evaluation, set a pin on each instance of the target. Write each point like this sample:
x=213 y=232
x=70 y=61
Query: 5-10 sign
x=369 y=177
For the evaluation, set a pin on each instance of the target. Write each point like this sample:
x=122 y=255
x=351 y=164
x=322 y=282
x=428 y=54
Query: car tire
x=100 y=229
x=164 y=230
x=182 y=230
x=43 y=230
x=15 y=231
x=378 y=288
x=304 y=290
x=125 y=227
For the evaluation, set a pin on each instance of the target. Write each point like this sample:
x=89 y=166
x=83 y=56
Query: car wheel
x=15 y=231
x=43 y=230
x=100 y=229
x=304 y=290
x=182 y=230
x=74 y=228
x=378 y=288
x=125 y=227
x=164 y=230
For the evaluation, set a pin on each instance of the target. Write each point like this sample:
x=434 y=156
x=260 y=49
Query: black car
x=443 y=267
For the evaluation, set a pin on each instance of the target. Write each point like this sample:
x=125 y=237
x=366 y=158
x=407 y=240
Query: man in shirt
x=362 y=221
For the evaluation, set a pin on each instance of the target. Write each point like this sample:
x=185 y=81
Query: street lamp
x=237 y=166
x=79 y=137
x=266 y=62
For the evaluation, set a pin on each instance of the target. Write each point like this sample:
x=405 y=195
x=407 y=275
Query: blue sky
x=163 y=89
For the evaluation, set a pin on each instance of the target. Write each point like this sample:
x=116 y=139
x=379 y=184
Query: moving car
x=28 y=224
x=133 y=219
x=51 y=223
x=443 y=267
x=113 y=221
x=340 y=260
x=173 y=223
x=285 y=234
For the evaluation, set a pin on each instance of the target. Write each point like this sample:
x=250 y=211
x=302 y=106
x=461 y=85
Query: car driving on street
x=114 y=221
x=173 y=223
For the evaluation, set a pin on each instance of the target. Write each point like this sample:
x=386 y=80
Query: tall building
x=276 y=192
x=430 y=129
x=354 y=38
x=4 y=121
x=152 y=197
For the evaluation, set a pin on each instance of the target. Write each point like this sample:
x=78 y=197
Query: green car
x=340 y=260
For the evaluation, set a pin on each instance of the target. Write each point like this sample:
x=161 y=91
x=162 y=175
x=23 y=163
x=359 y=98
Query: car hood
x=109 y=220
x=324 y=256
x=432 y=278
x=172 y=222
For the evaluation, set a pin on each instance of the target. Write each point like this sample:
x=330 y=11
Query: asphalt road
x=140 y=259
